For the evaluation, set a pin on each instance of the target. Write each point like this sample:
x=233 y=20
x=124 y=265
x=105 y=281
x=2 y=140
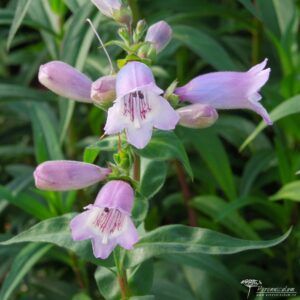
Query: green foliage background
x=245 y=175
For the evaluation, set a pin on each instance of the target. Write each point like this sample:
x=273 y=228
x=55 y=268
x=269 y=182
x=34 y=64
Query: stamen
x=136 y=106
x=108 y=222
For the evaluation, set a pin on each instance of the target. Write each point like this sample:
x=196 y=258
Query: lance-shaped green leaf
x=22 y=264
x=165 y=145
x=180 y=239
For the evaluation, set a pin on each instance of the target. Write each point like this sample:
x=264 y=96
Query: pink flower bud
x=159 y=34
x=108 y=7
x=197 y=116
x=104 y=89
x=114 y=9
x=64 y=175
x=65 y=81
x=107 y=222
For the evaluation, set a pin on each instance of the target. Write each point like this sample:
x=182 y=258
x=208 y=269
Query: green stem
x=187 y=195
x=122 y=276
x=136 y=168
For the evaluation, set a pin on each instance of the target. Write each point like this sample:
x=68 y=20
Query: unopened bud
x=65 y=81
x=159 y=34
x=139 y=31
x=197 y=116
x=114 y=9
x=103 y=90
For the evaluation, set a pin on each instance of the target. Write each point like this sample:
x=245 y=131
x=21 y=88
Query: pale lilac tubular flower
x=104 y=89
x=108 y=7
x=65 y=81
x=159 y=34
x=139 y=106
x=197 y=116
x=65 y=175
x=229 y=90
x=107 y=222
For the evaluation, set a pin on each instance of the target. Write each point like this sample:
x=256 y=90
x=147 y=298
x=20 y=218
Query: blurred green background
x=251 y=192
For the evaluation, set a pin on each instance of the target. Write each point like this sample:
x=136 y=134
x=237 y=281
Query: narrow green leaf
x=165 y=145
x=286 y=108
x=205 y=46
x=210 y=148
x=290 y=191
x=22 y=264
x=25 y=202
x=21 y=10
x=207 y=263
x=180 y=239
x=57 y=231
x=213 y=206
x=44 y=131
x=151 y=180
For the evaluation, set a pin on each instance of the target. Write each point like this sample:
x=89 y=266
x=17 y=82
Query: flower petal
x=101 y=250
x=129 y=237
x=139 y=137
x=114 y=122
x=167 y=117
x=79 y=226
x=134 y=76
x=116 y=194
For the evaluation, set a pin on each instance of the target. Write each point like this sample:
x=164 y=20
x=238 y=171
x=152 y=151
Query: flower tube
x=229 y=90
x=107 y=222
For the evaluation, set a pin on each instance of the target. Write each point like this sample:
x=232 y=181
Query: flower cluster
x=107 y=222
x=135 y=105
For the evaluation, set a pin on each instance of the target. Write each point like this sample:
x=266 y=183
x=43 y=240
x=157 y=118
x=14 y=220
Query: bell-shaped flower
x=139 y=106
x=65 y=175
x=159 y=35
x=229 y=90
x=104 y=89
x=107 y=222
x=197 y=116
x=65 y=81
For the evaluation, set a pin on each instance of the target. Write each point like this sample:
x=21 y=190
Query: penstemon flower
x=64 y=175
x=107 y=222
x=139 y=106
x=229 y=90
